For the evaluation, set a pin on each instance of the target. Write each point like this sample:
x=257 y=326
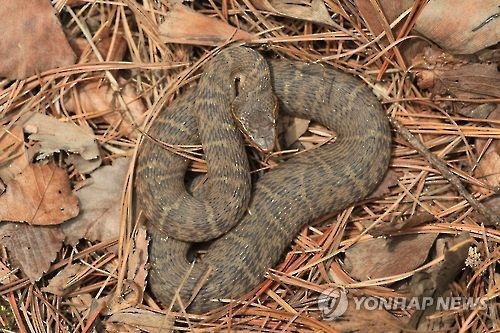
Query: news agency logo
x=333 y=302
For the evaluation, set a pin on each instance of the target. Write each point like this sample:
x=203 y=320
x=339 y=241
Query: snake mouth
x=265 y=143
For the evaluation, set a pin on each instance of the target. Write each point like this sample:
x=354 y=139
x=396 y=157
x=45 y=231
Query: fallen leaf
x=311 y=10
x=399 y=224
x=31 y=247
x=32 y=40
x=46 y=196
x=7 y=275
x=12 y=153
x=384 y=14
x=185 y=26
x=390 y=180
x=54 y=136
x=358 y=318
x=146 y=320
x=436 y=280
x=132 y=289
x=478 y=80
x=390 y=11
x=111 y=48
x=95 y=99
x=81 y=303
x=130 y=295
x=60 y=284
x=465 y=29
x=295 y=129
x=82 y=165
x=445 y=75
x=100 y=205
x=488 y=169
x=481 y=111
x=383 y=257
x=138 y=259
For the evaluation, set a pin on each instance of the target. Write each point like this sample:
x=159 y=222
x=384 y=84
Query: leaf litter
x=32 y=39
x=100 y=201
x=54 y=135
x=46 y=195
x=133 y=64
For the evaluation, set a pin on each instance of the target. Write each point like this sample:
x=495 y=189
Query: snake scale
x=262 y=225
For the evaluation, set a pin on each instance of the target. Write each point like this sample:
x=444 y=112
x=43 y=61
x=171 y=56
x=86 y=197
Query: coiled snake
x=282 y=201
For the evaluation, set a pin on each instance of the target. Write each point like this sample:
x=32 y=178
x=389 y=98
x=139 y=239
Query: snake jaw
x=258 y=126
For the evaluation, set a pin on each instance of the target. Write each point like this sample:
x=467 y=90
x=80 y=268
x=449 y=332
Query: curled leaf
x=55 y=135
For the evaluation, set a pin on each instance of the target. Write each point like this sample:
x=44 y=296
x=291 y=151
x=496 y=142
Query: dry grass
x=286 y=302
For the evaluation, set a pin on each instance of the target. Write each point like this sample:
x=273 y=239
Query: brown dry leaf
x=470 y=80
x=54 y=136
x=46 y=196
x=493 y=204
x=309 y=10
x=436 y=280
x=362 y=319
x=185 y=26
x=7 y=275
x=111 y=49
x=60 y=284
x=390 y=11
x=462 y=81
x=82 y=165
x=96 y=99
x=144 y=319
x=295 y=128
x=390 y=179
x=13 y=155
x=129 y=296
x=100 y=205
x=382 y=257
x=400 y=224
x=488 y=169
x=133 y=287
x=465 y=29
x=31 y=247
x=81 y=303
x=138 y=259
x=32 y=40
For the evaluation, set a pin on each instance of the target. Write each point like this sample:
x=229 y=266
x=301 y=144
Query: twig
x=490 y=217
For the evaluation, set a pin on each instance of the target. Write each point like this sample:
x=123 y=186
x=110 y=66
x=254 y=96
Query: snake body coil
x=286 y=198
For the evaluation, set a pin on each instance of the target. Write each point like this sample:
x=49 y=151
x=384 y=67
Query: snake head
x=255 y=113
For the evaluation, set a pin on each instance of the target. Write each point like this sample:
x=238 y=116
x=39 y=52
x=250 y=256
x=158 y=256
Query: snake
x=249 y=224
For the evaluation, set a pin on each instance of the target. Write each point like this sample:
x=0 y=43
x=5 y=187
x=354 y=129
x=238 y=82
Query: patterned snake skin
x=259 y=227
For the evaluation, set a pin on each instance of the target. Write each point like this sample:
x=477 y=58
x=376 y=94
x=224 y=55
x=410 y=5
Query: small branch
x=490 y=217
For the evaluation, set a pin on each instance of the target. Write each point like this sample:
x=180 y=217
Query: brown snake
x=282 y=201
